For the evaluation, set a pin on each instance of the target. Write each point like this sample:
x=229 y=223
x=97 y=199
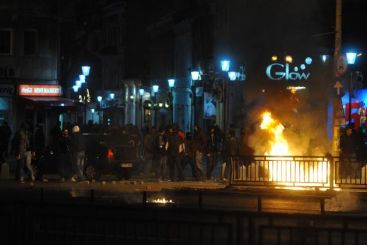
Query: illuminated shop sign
x=277 y=71
x=39 y=90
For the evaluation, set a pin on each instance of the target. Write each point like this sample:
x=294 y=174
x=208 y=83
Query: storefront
x=6 y=103
x=42 y=106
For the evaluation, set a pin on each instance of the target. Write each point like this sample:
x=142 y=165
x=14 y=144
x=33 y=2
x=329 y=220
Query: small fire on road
x=161 y=201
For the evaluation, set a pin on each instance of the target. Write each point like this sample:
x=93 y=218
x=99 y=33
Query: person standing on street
x=174 y=148
x=148 y=146
x=160 y=154
x=63 y=151
x=78 y=148
x=198 y=151
x=214 y=144
x=23 y=153
x=231 y=149
x=188 y=156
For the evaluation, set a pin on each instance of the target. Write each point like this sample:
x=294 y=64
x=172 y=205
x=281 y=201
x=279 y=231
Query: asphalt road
x=205 y=194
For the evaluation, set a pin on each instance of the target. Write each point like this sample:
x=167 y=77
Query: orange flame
x=278 y=144
x=287 y=171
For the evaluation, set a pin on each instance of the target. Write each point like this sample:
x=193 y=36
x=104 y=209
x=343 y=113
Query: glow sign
x=39 y=90
x=277 y=71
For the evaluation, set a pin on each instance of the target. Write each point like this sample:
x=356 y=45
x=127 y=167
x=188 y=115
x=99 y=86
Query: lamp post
x=195 y=76
x=155 y=89
x=99 y=99
x=351 y=59
x=141 y=94
x=225 y=65
x=171 y=84
x=224 y=75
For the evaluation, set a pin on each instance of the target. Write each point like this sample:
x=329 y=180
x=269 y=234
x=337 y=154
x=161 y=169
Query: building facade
x=29 y=55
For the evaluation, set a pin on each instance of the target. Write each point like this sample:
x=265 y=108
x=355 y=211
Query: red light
x=109 y=154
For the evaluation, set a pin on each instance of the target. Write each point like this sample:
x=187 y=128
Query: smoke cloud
x=304 y=122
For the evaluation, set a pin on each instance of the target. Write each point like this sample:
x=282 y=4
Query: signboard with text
x=6 y=90
x=278 y=71
x=39 y=90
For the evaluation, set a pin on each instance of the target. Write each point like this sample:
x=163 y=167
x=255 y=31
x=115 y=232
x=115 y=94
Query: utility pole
x=337 y=98
x=338 y=29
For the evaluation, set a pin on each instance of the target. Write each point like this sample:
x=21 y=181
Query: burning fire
x=286 y=170
x=161 y=201
x=279 y=145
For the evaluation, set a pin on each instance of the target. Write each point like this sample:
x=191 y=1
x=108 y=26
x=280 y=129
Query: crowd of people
x=164 y=153
x=202 y=152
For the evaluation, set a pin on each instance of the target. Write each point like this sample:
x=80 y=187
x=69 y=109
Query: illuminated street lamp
x=78 y=83
x=324 y=58
x=171 y=83
x=112 y=96
x=232 y=75
x=82 y=78
x=225 y=64
x=75 y=88
x=86 y=70
x=155 y=88
x=195 y=75
x=351 y=58
x=99 y=99
x=274 y=58
x=141 y=92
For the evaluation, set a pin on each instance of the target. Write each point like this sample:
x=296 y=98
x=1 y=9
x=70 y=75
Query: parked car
x=105 y=154
x=110 y=154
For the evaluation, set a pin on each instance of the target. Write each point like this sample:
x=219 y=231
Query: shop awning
x=51 y=101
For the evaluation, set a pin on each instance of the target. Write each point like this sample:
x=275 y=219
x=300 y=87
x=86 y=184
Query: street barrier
x=298 y=171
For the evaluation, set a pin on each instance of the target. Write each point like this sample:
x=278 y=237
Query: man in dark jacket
x=188 y=155
x=78 y=148
x=63 y=153
x=160 y=154
x=231 y=149
x=174 y=148
x=214 y=145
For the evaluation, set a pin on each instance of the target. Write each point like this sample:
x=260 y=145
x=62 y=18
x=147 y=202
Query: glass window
x=6 y=38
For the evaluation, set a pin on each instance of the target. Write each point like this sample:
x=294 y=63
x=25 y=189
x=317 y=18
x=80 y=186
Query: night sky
x=258 y=29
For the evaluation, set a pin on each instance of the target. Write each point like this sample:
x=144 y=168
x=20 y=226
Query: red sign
x=39 y=90
x=354 y=113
